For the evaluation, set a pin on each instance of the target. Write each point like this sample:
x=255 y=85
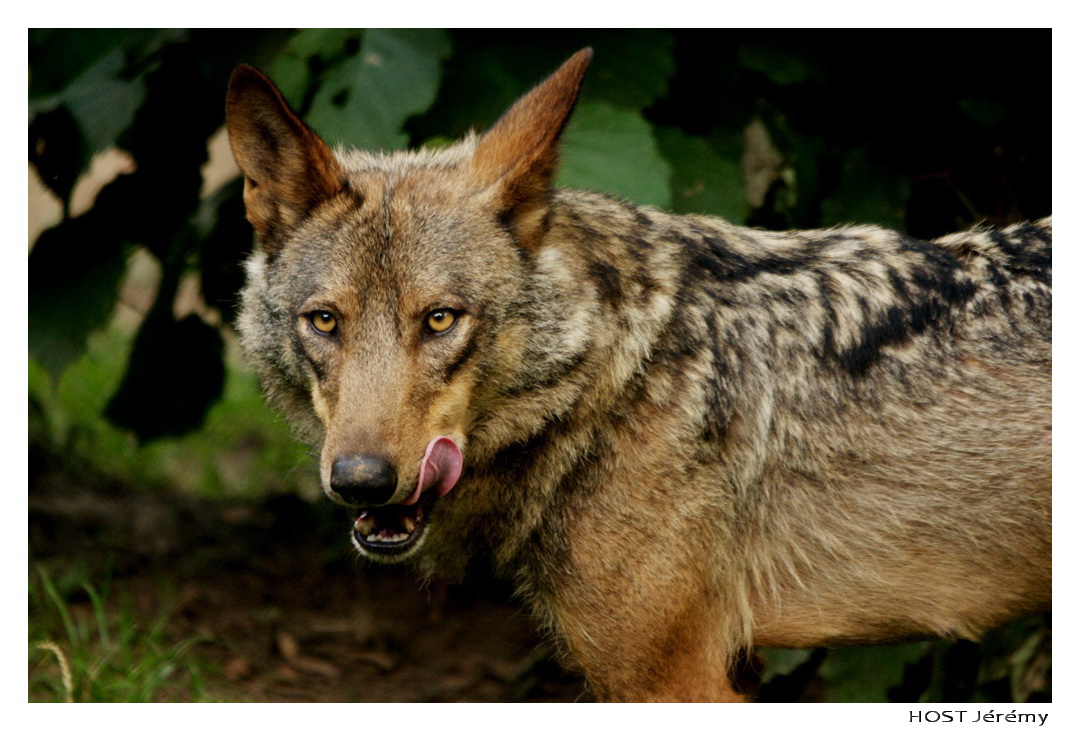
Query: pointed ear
x=287 y=169
x=518 y=155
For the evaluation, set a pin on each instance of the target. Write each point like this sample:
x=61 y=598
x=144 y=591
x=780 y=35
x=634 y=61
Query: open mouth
x=391 y=530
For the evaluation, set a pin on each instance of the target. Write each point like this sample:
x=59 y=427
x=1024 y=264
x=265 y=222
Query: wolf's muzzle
x=363 y=480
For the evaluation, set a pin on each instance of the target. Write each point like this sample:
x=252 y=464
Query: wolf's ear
x=287 y=169
x=519 y=153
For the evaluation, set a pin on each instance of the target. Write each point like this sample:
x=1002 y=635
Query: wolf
x=679 y=438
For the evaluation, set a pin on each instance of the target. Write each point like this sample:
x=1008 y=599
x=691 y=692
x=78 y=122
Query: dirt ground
x=282 y=608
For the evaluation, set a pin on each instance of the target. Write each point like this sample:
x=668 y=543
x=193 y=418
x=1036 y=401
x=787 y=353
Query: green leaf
x=782 y=65
x=365 y=99
x=630 y=68
x=868 y=193
x=74 y=273
x=702 y=181
x=612 y=150
x=325 y=43
x=477 y=88
x=782 y=661
x=104 y=97
x=104 y=103
x=865 y=674
x=59 y=55
x=291 y=70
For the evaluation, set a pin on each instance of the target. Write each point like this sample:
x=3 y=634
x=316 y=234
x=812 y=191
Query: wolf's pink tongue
x=440 y=468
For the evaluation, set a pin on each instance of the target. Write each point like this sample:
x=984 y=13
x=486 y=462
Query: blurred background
x=179 y=546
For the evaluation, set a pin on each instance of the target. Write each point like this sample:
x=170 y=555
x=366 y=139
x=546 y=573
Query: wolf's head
x=387 y=310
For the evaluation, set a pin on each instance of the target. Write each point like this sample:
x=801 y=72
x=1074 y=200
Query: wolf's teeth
x=368 y=528
x=364 y=525
x=380 y=538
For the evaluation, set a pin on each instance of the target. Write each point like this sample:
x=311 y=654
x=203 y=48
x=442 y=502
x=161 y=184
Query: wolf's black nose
x=363 y=479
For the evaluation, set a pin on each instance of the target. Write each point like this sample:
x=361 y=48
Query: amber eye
x=439 y=321
x=323 y=322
